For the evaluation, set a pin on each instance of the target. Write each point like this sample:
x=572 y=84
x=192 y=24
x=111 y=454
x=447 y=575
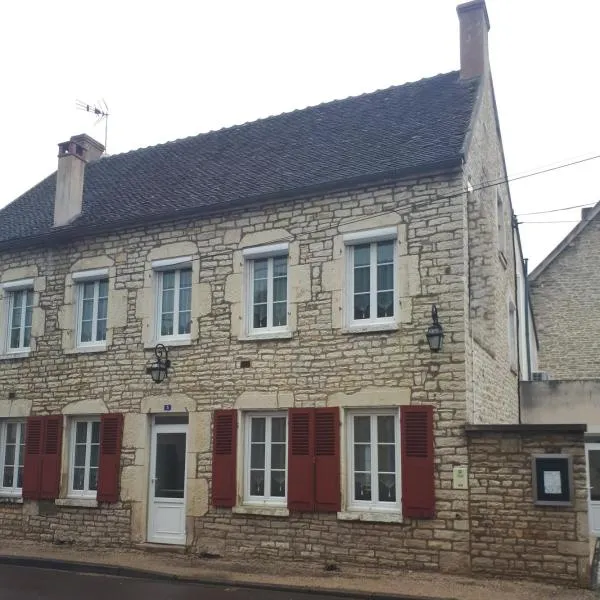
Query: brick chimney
x=72 y=158
x=474 y=27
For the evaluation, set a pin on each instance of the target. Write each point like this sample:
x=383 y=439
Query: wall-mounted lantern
x=159 y=369
x=435 y=333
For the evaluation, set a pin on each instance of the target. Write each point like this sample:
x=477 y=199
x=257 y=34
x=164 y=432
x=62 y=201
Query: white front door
x=593 y=470
x=166 y=514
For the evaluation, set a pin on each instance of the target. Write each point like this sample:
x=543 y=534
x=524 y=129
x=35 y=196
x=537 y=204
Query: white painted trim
x=91 y=274
x=266 y=251
x=94 y=342
x=174 y=337
x=12 y=491
x=265 y=511
x=370 y=235
x=168 y=263
x=17 y=284
x=85 y=493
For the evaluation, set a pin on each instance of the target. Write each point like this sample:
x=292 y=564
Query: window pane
x=280 y=266
x=80 y=432
x=257 y=456
x=386 y=429
x=278 y=429
x=362 y=457
x=15 y=338
x=87 y=311
x=258 y=429
x=11 y=433
x=9 y=454
x=29 y=299
x=95 y=432
x=185 y=299
x=385 y=252
x=260 y=316
x=20 y=477
x=278 y=456
x=261 y=269
x=362 y=486
x=101 y=331
x=257 y=483
x=279 y=289
x=362 y=280
x=385 y=277
x=94 y=451
x=362 y=306
x=28 y=316
x=385 y=304
x=102 y=308
x=386 y=456
x=166 y=327
x=387 y=488
x=78 y=476
x=7 y=479
x=103 y=288
x=185 y=278
x=362 y=429
x=278 y=484
x=168 y=301
x=80 y=452
x=168 y=280
x=185 y=322
x=362 y=255
x=93 y=479
x=260 y=291
x=88 y=290
x=279 y=314
x=86 y=331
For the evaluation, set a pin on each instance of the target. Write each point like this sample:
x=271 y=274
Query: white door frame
x=155 y=503
x=593 y=505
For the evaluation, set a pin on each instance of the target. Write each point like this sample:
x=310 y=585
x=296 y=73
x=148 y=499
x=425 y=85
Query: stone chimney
x=72 y=158
x=474 y=27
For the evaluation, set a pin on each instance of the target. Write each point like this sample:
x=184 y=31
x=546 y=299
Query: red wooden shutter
x=301 y=474
x=51 y=450
x=32 y=467
x=109 y=462
x=327 y=460
x=418 y=484
x=224 y=458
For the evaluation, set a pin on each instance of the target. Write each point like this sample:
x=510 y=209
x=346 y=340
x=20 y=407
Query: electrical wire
x=543 y=212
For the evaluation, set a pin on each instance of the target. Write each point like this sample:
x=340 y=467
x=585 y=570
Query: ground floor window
x=12 y=453
x=84 y=455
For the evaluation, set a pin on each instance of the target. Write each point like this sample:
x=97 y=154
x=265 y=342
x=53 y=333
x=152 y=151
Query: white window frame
x=95 y=277
x=10 y=288
x=372 y=237
x=266 y=500
x=12 y=490
x=259 y=253
x=373 y=505
x=160 y=267
x=86 y=492
x=512 y=335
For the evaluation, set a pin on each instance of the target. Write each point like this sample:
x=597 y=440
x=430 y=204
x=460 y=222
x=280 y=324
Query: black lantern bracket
x=159 y=369
x=435 y=333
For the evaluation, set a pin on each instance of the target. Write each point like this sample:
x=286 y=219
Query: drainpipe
x=527 y=336
x=513 y=232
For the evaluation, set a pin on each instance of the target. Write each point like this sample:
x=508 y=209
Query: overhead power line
x=543 y=212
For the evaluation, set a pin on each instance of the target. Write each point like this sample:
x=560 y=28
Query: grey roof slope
x=385 y=133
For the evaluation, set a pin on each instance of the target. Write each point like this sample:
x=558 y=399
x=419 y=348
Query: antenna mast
x=100 y=110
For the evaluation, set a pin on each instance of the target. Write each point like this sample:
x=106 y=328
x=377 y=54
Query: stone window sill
x=370 y=516
x=14 y=355
x=373 y=328
x=168 y=343
x=77 y=502
x=272 y=335
x=265 y=511
x=87 y=349
x=11 y=499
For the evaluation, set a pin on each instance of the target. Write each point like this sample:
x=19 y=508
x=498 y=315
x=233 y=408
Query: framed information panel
x=552 y=479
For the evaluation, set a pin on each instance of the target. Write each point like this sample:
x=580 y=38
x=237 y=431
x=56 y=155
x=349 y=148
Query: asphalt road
x=28 y=583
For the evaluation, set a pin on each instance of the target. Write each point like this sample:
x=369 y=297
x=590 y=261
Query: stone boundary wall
x=510 y=536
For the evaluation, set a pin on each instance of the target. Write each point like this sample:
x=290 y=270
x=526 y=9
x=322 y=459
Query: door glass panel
x=170 y=465
x=594 y=467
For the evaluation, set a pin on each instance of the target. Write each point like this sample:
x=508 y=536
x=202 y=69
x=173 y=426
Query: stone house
x=565 y=296
x=290 y=267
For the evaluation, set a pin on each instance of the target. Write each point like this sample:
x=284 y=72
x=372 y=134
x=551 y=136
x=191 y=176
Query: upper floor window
x=173 y=299
x=84 y=457
x=512 y=336
x=501 y=220
x=266 y=449
x=267 y=288
x=19 y=303
x=92 y=311
x=12 y=454
x=372 y=282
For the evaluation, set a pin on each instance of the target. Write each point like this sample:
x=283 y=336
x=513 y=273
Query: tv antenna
x=99 y=110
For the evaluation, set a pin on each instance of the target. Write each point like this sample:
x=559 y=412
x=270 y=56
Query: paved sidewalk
x=301 y=576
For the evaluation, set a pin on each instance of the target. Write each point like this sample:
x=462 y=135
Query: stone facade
x=509 y=533
x=565 y=298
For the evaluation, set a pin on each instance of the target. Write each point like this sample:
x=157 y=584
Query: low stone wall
x=510 y=535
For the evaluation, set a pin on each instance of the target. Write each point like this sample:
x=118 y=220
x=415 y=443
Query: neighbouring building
x=290 y=266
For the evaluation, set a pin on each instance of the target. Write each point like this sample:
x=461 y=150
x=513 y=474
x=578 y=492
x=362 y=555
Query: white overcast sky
x=173 y=69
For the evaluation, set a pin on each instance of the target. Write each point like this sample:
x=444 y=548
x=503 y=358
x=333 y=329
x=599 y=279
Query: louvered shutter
x=224 y=458
x=301 y=467
x=327 y=460
x=51 y=451
x=32 y=467
x=109 y=462
x=418 y=484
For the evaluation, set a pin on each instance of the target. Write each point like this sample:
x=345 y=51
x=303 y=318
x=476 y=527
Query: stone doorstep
x=160 y=548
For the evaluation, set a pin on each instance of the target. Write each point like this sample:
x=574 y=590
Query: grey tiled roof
x=385 y=133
